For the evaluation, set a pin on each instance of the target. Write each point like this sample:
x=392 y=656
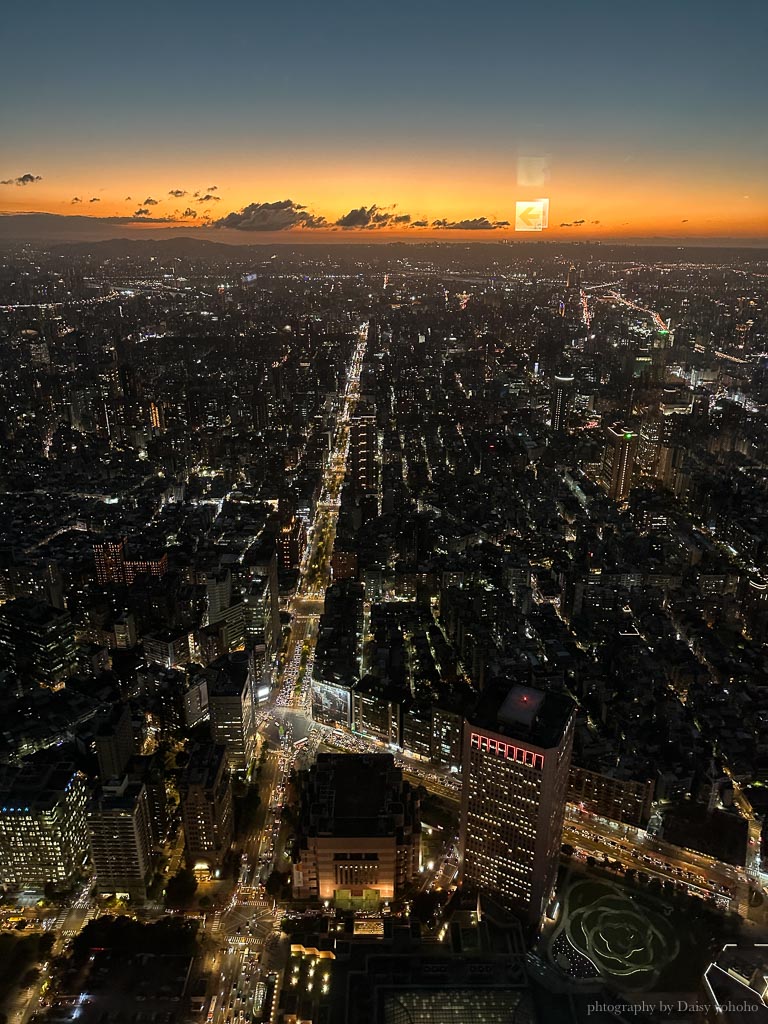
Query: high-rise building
x=168 y=647
x=43 y=828
x=264 y=590
x=206 y=807
x=656 y=435
x=231 y=704
x=37 y=641
x=359 y=830
x=218 y=586
x=573 y=279
x=257 y=602
x=562 y=402
x=109 y=556
x=121 y=839
x=517 y=756
x=114 y=567
x=149 y=770
x=291 y=543
x=363 y=450
x=114 y=743
x=619 y=462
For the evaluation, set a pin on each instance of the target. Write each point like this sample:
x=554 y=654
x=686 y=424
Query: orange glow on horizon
x=622 y=201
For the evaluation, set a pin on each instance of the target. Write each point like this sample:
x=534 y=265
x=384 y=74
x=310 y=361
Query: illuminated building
x=610 y=796
x=218 y=587
x=619 y=462
x=157 y=416
x=573 y=279
x=124 y=630
x=114 y=567
x=121 y=839
x=649 y=445
x=517 y=756
x=109 y=556
x=291 y=544
x=43 y=829
x=224 y=635
x=264 y=592
x=359 y=830
x=38 y=641
x=231 y=703
x=168 y=647
x=562 y=401
x=206 y=807
x=257 y=611
x=363 y=450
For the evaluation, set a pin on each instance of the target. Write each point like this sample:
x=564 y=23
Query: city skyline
x=384 y=513
x=300 y=125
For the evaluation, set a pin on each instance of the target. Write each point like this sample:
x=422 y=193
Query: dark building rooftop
x=525 y=713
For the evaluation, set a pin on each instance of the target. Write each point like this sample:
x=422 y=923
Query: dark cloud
x=372 y=217
x=95 y=199
x=23 y=179
x=473 y=224
x=212 y=188
x=359 y=218
x=189 y=212
x=77 y=199
x=141 y=212
x=208 y=198
x=420 y=224
x=573 y=224
x=684 y=221
x=178 y=192
x=150 y=202
x=127 y=199
x=279 y=216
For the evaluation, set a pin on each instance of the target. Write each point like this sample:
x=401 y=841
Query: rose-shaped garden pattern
x=625 y=940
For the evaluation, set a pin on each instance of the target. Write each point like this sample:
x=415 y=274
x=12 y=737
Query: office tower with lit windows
x=562 y=402
x=43 y=827
x=363 y=450
x=516 y=762
x=231 y=703
x=619 y=458
x=573 y=279
x=206 y=807
x=37 y=641
x=263 y=593
x=121 y=839
x=655 y=440
x=291 y=543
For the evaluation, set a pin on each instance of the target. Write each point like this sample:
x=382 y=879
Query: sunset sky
x=635 y=120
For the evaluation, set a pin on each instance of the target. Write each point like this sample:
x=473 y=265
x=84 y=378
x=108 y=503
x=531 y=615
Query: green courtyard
x=632 y=941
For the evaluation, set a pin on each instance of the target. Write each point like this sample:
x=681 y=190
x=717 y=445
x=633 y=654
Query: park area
x=633 y=941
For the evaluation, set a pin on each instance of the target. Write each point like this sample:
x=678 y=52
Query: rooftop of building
x=525 y=713
x=204 y=764
x=227 y=675
x=31 y=612
x=34 y=784
x=354 y=794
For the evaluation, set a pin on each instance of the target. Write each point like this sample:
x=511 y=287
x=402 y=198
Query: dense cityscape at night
x=384 y=585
